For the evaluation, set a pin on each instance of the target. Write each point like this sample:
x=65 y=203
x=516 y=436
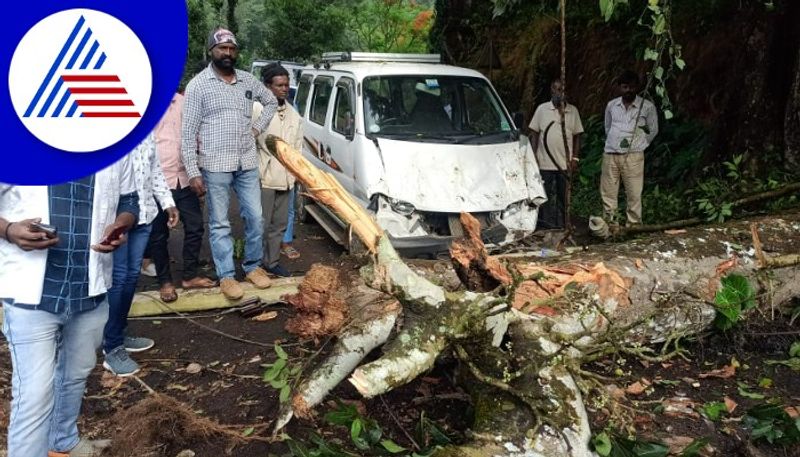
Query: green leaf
x=607 y=9
x=660 y=24
x=668 y=114
x=355 y=430
x=602 y=444
x=694 y=448
x=343 y=415
x=248 y=431
x=748 y=394
x=680 y=63
x=659 y=72
x=794 y=349
x=274 y=370
x=280 y=352
x=713 y=410
x=392 y=447
x=284 y=395
x=765 y=383
x=650 y=54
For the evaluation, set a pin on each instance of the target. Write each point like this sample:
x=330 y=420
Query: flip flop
x=290 y=252
x=168 y=295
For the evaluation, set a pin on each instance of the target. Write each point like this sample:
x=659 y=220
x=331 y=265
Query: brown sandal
x=168 y=293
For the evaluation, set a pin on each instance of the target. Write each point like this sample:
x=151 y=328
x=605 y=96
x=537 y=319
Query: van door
x=341 y=131
x=317 y=131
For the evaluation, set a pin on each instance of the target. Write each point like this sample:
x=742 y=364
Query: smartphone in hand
x=50 y=230
x=113 y=236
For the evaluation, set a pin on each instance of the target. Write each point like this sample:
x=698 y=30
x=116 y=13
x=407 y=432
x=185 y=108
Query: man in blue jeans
x=53 y=288
x=218 y=137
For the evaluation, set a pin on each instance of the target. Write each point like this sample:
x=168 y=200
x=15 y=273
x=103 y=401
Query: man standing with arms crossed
x=218 y=108
x=631 y=124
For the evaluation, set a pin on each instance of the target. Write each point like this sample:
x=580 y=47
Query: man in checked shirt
x=218 y=148
x=53 y=291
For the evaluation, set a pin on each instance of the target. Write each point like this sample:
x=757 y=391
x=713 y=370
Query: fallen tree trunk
x=557 y=314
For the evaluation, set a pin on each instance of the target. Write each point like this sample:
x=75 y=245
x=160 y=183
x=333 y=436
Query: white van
x=417 y=142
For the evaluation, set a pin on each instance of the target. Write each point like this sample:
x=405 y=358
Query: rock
x=186 y=453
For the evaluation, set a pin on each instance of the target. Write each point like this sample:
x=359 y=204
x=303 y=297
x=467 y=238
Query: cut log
x=193 y=300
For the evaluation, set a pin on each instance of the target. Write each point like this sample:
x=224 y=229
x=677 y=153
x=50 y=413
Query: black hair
x=272 y=70
x=628 y=77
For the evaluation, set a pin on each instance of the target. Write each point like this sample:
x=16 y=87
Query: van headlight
x=401 y=207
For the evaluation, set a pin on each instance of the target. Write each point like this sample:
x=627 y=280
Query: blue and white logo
x=85 y=91
x=87 y=81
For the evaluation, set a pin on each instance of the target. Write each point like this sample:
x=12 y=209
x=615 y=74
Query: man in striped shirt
x=219 y=151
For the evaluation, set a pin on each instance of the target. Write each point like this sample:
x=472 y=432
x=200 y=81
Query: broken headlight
x=401 y=207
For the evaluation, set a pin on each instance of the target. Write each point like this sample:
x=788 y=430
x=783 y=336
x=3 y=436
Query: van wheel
x=300 y=208
x=354 y=244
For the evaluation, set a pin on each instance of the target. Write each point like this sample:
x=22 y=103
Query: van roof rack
x=329 y=57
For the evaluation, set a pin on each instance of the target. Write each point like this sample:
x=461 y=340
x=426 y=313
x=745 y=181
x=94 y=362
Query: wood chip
x=677 y=443
x=792 y=411
x=194 y=368
x=675 y=231
x=639 y=264
x=730 y=405
x=266 y=316
x=725 y=372
x=637 y=388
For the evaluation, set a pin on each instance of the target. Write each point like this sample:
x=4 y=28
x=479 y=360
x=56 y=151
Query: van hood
x=443 y=177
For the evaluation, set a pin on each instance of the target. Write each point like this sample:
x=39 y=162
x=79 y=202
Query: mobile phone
x=113 y=236
x=48 y=229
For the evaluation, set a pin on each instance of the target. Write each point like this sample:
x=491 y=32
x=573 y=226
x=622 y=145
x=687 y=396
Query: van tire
x=300 y=208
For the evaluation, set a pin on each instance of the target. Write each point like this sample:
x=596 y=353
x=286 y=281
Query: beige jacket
x=287 y=125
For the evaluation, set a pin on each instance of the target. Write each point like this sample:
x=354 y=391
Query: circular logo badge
x=88 y=80
x=80 y=80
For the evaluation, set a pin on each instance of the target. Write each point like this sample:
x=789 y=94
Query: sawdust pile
x=159 y=421
x=319 y=311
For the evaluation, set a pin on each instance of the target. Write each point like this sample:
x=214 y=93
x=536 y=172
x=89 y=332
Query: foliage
x=714 y=410
x=367 y=436
x=735 y=296
x=612 y=444
x=388 y=26
x=281 y=374
x=793 y=361
x=770 y=422
x=303 y=28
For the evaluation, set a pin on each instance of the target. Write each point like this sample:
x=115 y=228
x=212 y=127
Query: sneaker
x=138 y=343
x=120 y=363
x=84 y=448
x=231 y=289
x=259 y=278
x=148 y=268
x=278 y=270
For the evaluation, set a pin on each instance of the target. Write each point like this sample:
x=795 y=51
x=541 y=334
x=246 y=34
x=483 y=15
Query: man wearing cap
x=219 y=151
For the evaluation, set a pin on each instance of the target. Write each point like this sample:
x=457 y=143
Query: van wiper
x=487 y=137
x=417 y=136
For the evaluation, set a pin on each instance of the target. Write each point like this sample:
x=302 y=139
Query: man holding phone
x=54 y=274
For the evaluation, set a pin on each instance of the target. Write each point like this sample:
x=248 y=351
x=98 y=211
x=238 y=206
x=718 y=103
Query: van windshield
x=453 y=109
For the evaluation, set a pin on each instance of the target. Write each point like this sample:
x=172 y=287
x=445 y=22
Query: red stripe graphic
x=90 y=78
x=104 y=102
x=98 y=90
x=119 y=114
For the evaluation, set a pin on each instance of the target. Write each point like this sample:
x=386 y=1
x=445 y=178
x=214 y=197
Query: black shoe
x=278 y=270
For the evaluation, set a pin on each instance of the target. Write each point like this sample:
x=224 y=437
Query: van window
x=434 y=108
x=343 y=112
x=301 y=98
x=323 y=86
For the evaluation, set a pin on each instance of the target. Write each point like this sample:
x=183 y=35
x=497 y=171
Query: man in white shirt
x=554 y=160
x=631 y=124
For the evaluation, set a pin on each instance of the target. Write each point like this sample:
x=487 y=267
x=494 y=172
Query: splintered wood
x=476 y=270
x=319 y=312
x=544 y=284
